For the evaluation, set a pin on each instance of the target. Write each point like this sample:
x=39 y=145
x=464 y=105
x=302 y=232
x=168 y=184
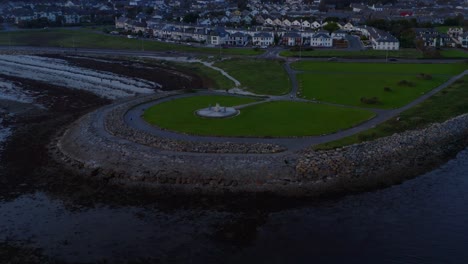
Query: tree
x=454 y=21
x=331 y=26
x=407 y=38
x=149 y=10
x=190 y=18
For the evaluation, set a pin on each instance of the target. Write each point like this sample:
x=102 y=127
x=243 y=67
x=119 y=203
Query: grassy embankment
x=275 y=119
x=448 y=103
x=86 y=38
x=258 y=76
x=454 y=53
x=348 y=83
x=403 y=53
x=212 y=79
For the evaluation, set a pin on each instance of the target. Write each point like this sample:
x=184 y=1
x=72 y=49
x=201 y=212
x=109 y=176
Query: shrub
x=425 y=76
x=309 y=49
x=372 y=100
x=387 y=89
x=405 y=83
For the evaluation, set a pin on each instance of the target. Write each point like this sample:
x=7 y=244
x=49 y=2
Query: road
x=274 y=53
x=354 y=43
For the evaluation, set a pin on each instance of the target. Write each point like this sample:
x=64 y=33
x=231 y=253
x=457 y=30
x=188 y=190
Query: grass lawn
x=86 y=38
x=448 y=103
x=443 y=29
x=211 y=78
x=387 y=68
x=275 y=119
x=349 y=88
x=403 y=53
x=258 y=76
x=454 y=53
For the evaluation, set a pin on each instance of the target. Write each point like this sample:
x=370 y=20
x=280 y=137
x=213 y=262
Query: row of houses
x=433 y=38
x=257 y=36
x=380 y=40
x=51 y=13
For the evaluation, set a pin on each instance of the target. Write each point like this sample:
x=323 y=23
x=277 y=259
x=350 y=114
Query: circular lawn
x=269 y=119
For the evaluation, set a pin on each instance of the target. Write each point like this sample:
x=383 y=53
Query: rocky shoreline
x=118 y=158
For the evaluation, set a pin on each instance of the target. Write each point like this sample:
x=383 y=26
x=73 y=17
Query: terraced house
x=463 y=40
x=381 y=40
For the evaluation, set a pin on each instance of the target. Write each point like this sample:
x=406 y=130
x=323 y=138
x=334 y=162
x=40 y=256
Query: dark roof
x=291 y=35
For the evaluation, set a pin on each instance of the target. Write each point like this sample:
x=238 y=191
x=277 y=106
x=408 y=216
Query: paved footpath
x=133 y=118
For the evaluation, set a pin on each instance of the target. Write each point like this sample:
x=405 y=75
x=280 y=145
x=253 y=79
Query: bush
x=405 y=83
x=425 y=76
x=309 y=49
x=372 y=100
x=387 y=89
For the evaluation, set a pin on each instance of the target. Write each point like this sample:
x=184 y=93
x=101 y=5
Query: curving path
x=133 y=118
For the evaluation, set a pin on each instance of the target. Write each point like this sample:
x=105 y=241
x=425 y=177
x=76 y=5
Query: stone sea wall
x=89 y=149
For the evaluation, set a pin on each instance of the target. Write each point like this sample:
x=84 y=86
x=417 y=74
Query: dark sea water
x=424 y=220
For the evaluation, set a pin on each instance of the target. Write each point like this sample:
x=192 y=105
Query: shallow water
x=424 y=220
x=5 y=132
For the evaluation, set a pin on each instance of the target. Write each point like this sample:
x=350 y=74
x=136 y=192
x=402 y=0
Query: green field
x=347 y=83
x=454 y=53
x=387 y=68
x=448 y=103
x=403 y=53
x=89 y=38
x=258 y=76
x=348 y=89
x=443 y=29
x=275 y=119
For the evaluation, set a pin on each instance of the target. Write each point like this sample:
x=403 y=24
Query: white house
x=348 y=26
x=463 y=40
x=321 y=39
x=455 y=32
x=269 y=22
x=263 y=39
x=305 y=24
x=218 y=37
x=315 y=24
x=296 y=23
x=381 y=40
x=237 y=39
x=278 y=22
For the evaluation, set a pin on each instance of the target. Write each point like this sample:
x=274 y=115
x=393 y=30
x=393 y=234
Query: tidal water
x=423 y=220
